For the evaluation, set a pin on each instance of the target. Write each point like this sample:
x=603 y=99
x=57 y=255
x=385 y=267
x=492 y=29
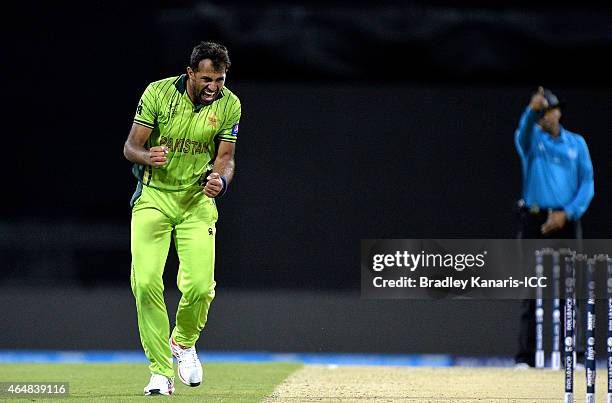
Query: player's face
x=206 y=82
x=550 y=120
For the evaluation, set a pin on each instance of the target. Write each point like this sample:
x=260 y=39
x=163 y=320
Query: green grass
x=226 y=382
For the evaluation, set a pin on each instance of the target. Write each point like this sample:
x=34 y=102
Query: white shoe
x=159 y=385
x=189 y=367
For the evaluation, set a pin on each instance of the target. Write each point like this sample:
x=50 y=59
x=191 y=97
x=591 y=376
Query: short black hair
x=214 y=51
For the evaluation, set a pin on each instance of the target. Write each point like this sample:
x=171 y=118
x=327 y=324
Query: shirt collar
x=181 y=83
x=562 y=134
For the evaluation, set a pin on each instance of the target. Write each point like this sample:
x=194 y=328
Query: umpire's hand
x=538 y=102
x=556 y=220
x=214 y=185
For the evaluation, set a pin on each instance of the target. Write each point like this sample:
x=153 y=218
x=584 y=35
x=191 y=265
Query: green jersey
x=191 y=132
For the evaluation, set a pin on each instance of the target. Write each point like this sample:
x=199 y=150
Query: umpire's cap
x=553 y=100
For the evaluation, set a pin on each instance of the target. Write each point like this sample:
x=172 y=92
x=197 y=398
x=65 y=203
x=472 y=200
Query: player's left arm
x=579 y=204
x=586 y=184
x=223 y=170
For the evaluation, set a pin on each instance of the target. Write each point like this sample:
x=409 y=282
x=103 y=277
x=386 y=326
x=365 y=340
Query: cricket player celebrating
x=182 y=145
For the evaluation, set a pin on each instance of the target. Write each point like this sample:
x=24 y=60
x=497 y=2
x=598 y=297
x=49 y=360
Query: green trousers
x=157 y=215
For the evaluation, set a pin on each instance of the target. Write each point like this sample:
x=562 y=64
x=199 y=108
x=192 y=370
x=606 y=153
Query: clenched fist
x=538 y=101
x=157 y=156
x=214 y=185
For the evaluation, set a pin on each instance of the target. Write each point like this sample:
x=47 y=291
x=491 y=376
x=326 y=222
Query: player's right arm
x=144 y=121
x=135 y=151
x=524 y=133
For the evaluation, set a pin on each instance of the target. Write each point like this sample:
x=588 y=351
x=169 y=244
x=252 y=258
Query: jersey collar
x=562 y=134
x=181 y=83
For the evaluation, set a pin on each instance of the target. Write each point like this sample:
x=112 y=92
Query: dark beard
x=196 y=96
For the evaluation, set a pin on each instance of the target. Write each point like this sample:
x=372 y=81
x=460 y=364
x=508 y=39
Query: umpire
x=557 y=189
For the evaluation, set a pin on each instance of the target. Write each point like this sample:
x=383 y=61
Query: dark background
x=360 y=120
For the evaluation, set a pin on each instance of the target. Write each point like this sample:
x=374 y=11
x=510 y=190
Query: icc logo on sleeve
x=235 y=129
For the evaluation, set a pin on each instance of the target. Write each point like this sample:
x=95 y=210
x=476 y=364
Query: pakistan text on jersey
x=183 y=145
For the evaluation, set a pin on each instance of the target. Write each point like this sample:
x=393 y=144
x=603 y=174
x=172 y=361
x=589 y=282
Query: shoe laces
x=188 y=356
x=157 y=378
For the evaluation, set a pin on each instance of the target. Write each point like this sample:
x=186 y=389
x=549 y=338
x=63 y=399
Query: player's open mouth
x=207 y=96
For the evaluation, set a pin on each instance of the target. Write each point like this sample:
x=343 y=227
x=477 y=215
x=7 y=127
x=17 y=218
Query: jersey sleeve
x=229 y=131
x=147 y=110
x=524 y=134
x=586 y=185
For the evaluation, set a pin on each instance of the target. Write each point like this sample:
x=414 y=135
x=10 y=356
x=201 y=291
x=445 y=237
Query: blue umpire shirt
x=557 y=172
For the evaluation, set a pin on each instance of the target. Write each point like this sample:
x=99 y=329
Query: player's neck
x=190 y=94
x=555 y=131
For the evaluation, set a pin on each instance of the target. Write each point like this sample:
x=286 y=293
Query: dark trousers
x=530 y=229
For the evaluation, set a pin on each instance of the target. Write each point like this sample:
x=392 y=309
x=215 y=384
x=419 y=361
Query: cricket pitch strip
x=325 y=383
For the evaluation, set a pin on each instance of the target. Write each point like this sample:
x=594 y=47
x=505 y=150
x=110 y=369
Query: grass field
x=295 y=383
x=227 y=382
